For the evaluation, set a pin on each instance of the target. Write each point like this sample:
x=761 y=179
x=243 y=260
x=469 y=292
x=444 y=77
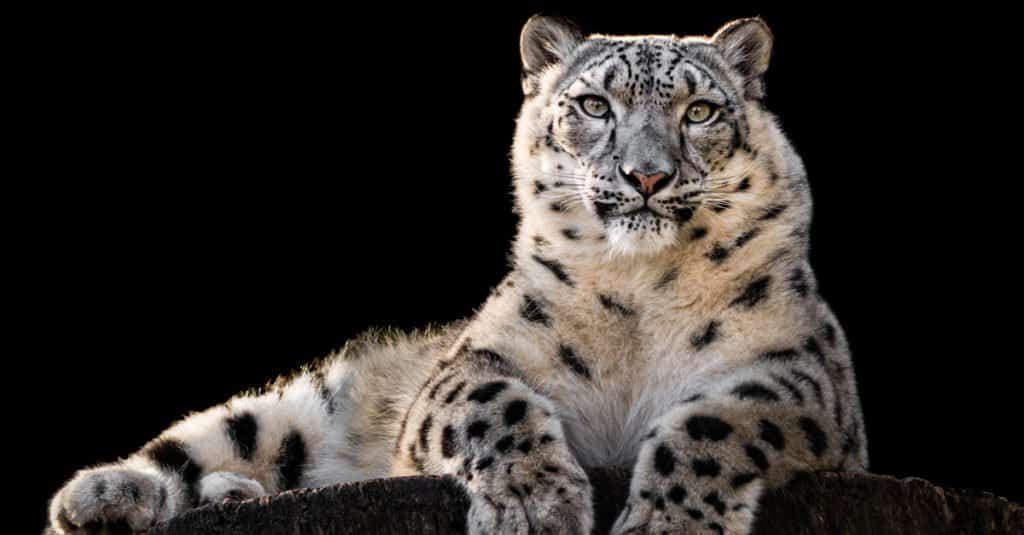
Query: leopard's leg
x=705 y=463
x=250 y=446
x=331 y=423
x=503 y=442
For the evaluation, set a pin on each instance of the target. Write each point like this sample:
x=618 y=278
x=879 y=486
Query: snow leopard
x=660 y=313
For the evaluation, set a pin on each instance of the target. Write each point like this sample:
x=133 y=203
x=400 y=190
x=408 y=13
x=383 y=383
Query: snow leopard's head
x=635 y=138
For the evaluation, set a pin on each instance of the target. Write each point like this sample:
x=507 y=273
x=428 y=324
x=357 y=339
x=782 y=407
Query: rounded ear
x=747 y=47
x=545 y=41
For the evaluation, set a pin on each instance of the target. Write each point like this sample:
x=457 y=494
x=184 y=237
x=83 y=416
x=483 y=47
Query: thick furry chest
x=605 y=427
x=613 y=354
x=637 y=374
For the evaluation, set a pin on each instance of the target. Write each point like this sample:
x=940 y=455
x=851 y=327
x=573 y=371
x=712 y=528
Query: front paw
x=109 y=499
x=673 y=494
x=526 y=498
x=657 y=512
x=642 y=517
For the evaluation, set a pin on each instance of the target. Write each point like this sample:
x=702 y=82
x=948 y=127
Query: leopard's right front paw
x=109 y=499
x=552 y=499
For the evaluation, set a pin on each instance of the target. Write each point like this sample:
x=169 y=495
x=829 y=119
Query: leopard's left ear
x=545 y=41
x=746 y=45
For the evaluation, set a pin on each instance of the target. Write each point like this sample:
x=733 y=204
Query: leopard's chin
x=640 y=234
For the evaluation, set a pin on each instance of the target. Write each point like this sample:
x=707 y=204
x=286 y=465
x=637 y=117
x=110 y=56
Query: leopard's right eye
x=594 y=106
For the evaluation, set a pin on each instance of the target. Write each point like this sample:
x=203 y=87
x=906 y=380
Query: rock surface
x=824 y=503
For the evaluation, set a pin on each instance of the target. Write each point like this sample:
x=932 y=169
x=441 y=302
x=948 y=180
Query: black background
x=214 y=198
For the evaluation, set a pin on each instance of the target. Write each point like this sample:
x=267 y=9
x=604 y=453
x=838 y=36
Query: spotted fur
x=661 y=313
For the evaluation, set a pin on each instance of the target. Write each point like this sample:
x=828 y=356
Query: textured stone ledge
x=825 y=503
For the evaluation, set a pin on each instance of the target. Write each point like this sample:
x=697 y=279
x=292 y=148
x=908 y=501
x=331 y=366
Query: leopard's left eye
x=700 y=112
x=596 y=107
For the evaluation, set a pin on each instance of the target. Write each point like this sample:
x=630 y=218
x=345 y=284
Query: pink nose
x=648 y=183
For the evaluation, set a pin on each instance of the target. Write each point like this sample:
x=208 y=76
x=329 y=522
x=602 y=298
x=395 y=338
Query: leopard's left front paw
x=673 y=511
x=670 y=494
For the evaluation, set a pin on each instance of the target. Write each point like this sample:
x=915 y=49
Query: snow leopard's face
x=641 y=131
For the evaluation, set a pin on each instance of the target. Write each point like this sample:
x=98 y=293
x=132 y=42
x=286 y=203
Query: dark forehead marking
x=709 y=57
x=581 y=61
x=713 y=80
x=691 y=82
x=584 y=81
x=604 y=48
x=599 y=61
x=679 y=52
x=609 y=75
x=595 y=53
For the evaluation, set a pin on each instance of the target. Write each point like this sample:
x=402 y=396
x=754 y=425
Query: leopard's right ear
x=545 y=41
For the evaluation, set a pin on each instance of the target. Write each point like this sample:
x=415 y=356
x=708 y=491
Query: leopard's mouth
x=680 y=214
x=676 y=212
x=643 y=211
x=607 y=211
